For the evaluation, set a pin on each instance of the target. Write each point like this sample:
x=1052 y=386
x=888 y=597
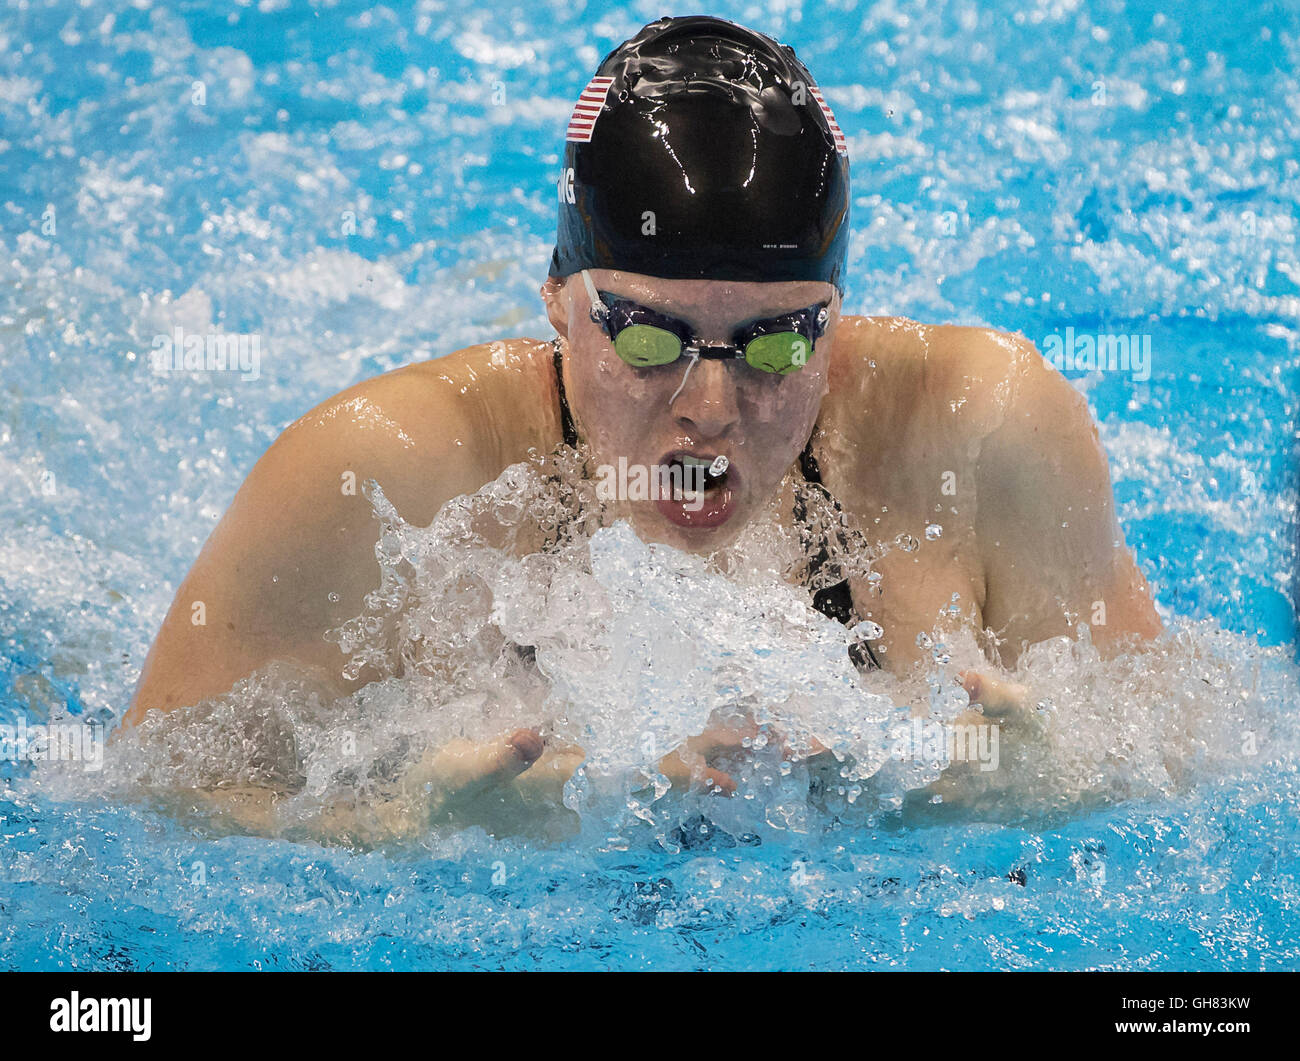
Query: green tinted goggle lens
x=782 y=352
x=644 y=345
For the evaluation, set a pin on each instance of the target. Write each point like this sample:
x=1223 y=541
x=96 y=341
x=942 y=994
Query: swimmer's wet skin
x=712 y=336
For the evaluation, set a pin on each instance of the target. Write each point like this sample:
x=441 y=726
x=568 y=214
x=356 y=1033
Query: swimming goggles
x=644 y=338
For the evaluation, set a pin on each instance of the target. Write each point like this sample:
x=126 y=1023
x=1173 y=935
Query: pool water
x=361 y=187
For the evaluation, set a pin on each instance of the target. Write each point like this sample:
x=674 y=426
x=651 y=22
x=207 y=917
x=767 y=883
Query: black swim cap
x=704 y=150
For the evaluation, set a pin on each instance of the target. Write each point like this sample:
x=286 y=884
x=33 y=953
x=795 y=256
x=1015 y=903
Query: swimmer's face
x=758 y=420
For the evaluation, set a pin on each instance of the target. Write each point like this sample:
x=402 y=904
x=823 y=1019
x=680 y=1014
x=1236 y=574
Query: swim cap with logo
x=704 y=150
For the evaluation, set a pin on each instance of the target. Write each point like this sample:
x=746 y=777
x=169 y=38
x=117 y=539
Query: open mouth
x=703 y=489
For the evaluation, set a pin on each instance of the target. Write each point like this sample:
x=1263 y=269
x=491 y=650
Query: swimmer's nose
x=707 y=403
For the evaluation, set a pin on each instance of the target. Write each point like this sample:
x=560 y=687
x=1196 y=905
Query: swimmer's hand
x=696 y=764
x=451 y=779
x=457 y=773
x=1002 y=700
x=994 y=702
x=510 y=784
x=689 y=767
x=502 y=785
x=462 y=781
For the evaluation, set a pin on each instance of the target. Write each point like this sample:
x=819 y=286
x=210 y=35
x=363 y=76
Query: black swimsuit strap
x=567 y=426
x=835 y=602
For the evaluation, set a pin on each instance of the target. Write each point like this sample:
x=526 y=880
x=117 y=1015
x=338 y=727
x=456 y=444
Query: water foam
x=525 y=604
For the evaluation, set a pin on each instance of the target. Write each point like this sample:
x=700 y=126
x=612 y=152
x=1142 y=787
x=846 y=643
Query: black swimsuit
x=835 y=602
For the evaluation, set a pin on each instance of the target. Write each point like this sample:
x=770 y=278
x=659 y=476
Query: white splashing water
x=520 y=605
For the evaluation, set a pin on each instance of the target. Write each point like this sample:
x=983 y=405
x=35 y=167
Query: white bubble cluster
x=521 y=605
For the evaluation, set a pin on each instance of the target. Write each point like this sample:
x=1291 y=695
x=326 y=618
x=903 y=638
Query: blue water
x=362 y=187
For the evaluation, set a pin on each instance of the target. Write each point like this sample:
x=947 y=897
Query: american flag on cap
x=587 y=110
x=841 y=145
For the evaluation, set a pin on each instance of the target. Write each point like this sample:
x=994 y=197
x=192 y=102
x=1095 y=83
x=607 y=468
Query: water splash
x=524 y=604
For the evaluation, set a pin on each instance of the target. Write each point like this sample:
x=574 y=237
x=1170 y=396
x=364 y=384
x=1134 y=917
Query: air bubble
x=866 y=631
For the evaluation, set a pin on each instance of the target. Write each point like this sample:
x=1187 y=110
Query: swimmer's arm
x=1052 y=549
x=459 y=785
x=294 y=555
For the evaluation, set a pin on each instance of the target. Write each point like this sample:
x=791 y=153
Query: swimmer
x=696 y=294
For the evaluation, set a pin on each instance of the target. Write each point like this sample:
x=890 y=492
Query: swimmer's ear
x=555 y=294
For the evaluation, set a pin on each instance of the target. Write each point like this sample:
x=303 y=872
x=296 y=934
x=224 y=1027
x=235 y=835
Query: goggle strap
x=694 y=357
x=599 y=311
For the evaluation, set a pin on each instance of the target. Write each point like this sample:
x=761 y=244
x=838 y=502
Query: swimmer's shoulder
x=294 y=554
x=441 y=393
x=968 y=377
x=436 y=428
